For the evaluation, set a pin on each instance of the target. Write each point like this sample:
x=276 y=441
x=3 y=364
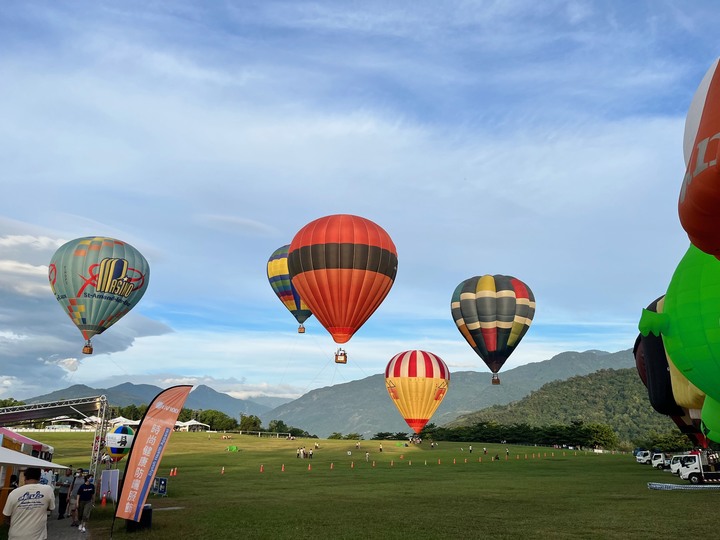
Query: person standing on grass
x=85 y=495
x=28 y=507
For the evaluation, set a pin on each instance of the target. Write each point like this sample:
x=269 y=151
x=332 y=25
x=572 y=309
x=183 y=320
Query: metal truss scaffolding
x=73 y=408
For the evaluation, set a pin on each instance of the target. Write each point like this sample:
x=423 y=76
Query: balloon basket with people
x=340 y=356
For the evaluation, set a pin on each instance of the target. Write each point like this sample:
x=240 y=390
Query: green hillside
x=617 y=398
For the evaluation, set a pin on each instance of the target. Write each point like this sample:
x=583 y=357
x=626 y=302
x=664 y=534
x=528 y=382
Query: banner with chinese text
x=148 y=446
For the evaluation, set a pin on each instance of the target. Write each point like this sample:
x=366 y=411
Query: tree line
x=217 y=420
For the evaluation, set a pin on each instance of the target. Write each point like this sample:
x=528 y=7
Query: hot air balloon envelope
x=493 y=313
x=97 y=280
x=279 y=278
x=689 y=328
x=417 y=382
x=343 y=266
x=699 y=200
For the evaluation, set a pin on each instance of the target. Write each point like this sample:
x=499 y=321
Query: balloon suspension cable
x=87 y=349
x=495 y=378
x=301 y=329
x=340 y=356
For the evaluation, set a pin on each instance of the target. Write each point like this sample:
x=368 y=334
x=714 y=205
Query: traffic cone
x=309 y=467
x=409 y=461
x=453 y=461
x=222 y=471
x=373 y=462
x=392 y=462
x=352 y=464
x=175 y=471
x=104 y=500
x=332 y=466
x=438 y=462
x=262 y=468
x=283 y=468
x=465 y=460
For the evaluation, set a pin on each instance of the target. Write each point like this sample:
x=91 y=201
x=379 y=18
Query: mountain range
x=363 y=406
x=201 y=398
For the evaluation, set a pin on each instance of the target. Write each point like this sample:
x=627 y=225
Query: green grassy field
x=409 y=491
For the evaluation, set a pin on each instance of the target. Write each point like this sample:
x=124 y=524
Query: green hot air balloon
x=97 y=280
x=279 y=278
x=493 y=313
x=690 y=329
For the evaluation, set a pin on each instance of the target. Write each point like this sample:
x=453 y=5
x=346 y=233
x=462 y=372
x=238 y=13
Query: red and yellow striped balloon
x=343 y=267
x=417 y=382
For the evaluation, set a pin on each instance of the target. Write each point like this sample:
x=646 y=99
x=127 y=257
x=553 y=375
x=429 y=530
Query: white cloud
x=542 y=140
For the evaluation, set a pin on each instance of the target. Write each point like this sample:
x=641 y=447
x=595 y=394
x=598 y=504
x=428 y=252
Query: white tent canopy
x=11 y=457
x=121 y=420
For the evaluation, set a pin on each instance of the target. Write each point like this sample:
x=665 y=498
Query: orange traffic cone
x=262 y=468
x=222 y=471
x=352 y=464
x=332 y=466
x=283 y=468
x=309 y=467
x=104 y=500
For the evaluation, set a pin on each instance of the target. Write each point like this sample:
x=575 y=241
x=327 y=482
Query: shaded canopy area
x=73 y=408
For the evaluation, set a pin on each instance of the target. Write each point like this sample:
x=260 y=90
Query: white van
x=676 y=462
x=660 y=461
x=643 y=456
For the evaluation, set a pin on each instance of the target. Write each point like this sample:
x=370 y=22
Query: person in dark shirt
x=85 y=496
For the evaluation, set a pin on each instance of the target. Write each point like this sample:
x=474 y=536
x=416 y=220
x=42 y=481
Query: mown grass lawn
x=403 y=492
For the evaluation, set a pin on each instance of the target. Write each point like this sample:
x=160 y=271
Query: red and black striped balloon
x=343 y=267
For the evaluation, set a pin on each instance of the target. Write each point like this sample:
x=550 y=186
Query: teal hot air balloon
x=493 y=313
x=279 y=278
x=97 y=280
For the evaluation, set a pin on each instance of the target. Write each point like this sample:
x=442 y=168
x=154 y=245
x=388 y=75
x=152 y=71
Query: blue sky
x=540 y=140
